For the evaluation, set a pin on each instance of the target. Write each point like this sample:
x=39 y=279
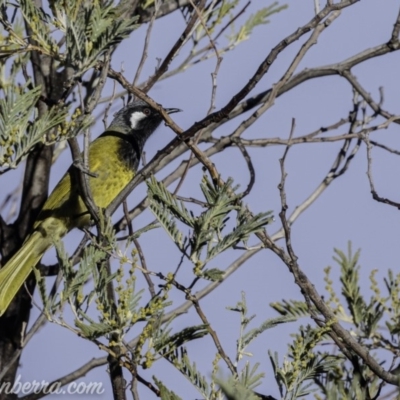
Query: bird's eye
x=147 y=111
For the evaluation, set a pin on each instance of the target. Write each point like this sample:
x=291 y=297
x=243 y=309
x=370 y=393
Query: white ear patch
x=136 y=117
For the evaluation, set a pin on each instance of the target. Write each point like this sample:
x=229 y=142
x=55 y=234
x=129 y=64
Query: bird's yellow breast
x=65 y=209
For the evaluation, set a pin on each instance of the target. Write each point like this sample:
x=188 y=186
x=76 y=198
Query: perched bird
x=113 y=160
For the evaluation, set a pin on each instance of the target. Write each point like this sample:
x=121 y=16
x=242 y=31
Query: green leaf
x=166 y=207
x=38 y=21
x=249 y=377
x=256 y=19
x=249 y=336
x=168 y=344
x=213 y=274
x=241 y=232
x=293 y=308
x=350 y=284
x=93 y=330
x=180 y=360
x=165 y=393
x=164 y=218
x=158 y=193
x=18 y=134
x=234 y=390
x=91 y=29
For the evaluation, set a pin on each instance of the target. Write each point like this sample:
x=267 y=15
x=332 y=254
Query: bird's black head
x=138 y=118
x=135 y=123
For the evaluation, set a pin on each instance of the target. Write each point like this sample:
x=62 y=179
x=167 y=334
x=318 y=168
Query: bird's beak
x=172 y=110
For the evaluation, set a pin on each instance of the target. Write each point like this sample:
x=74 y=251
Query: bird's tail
x=16 y=271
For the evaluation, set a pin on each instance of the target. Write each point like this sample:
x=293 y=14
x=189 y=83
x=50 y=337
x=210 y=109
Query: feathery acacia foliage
x=207 y=237
x=19 y=129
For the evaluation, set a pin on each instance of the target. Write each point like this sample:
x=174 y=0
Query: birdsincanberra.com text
x=44 y=387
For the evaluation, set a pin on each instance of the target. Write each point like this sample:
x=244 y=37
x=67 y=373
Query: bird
x=113 y=161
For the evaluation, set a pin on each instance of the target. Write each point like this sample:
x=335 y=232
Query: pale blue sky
x=344 y=212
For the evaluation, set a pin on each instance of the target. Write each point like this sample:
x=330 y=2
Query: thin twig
x=174 y=50
x=192 y=200
x=384 y=147
x=250 y=167
x=109 y=105
x=195 y=301
x=374 y=193
x=145 y=270
x=396 y=30
x=231 y=21
x=217 y=54
x=213 y=334
x=366 y=96
x=146 y=43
